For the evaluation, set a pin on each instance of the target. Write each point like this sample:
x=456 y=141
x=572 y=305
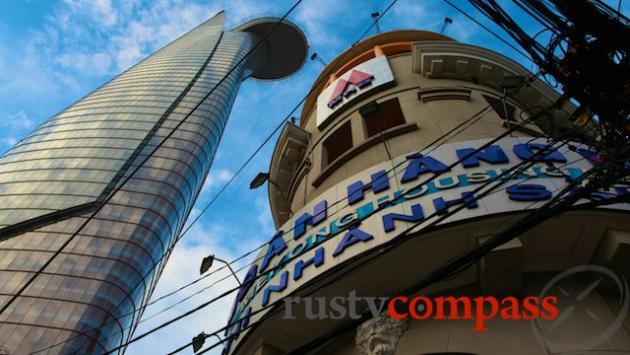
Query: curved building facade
x=88 y=230
x=361 y=194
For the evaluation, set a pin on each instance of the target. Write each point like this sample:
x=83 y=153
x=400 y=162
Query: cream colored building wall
x=574 y=243
x=433 y=119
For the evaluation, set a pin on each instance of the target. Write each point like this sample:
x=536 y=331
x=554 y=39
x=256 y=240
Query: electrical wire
x=375 y=22
x=559 y=101
x=378 y=209
x=233 y=177
x=278 y=127
x=225 y=293
x=224 y=187
x=239 y=171
x=465 y=124
x=243 y=267
x=215 y=197
x=243 y=165
x=519 y=51
x=505 y=172
x=549 y=209
x=457 y=263
x=498 y=179
x=148 y=156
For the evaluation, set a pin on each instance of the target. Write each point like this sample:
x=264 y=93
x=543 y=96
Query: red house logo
x=346 y=88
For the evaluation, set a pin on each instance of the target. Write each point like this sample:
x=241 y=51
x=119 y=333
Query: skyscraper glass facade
x=88 y=299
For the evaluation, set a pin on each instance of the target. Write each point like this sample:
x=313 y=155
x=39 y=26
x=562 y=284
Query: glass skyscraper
x=78 y=163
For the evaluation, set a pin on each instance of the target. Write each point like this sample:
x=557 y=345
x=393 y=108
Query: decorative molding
x=286 y=162
x=443 y=93
x=483 y=67
x=380 y=335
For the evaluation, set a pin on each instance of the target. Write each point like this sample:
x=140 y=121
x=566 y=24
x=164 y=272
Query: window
x=497 y=106
x=339 y=142
x=382 y=116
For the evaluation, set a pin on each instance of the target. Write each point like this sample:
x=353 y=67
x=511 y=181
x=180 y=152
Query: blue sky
x=53 y=52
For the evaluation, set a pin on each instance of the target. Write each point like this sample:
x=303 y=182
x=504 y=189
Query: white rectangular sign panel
x=355 y=83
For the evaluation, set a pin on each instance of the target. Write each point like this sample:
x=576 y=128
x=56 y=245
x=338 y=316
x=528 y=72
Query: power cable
x=519 y=51
x=224 y=187
x=215 y=197
x=506 y=172
x=234 y=289
x=381 y=207
x=376 y=19
x=447 y=269
x=468 y=121
x=278 y=127
x=532 y=118
x=550 y=209
x=465 y=124
x=246 y=163
x=240 y=169
x=225 y=277
x=148 y=156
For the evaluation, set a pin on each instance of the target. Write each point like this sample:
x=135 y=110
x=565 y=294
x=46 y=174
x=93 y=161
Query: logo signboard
x=355 y=83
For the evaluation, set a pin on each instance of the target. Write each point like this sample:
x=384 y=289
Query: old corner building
x=366 y=137
x=91 y=201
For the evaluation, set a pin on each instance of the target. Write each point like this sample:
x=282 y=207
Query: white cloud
x=264 y=218
x=116 y=35
x=86 y=63
x=462 y=29
x=153 y=27
x=219 y=176
x=8 y=141
x=17 y=121
x=183 y=267
x=100 y=11
x=412 y=14
x=104 y=10
x=34 y=73
x=96 y=38
x=318 y=24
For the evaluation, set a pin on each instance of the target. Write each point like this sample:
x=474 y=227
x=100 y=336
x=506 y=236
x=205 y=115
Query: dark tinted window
x=337 y=143
x=497 y=106
x=382 y=116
